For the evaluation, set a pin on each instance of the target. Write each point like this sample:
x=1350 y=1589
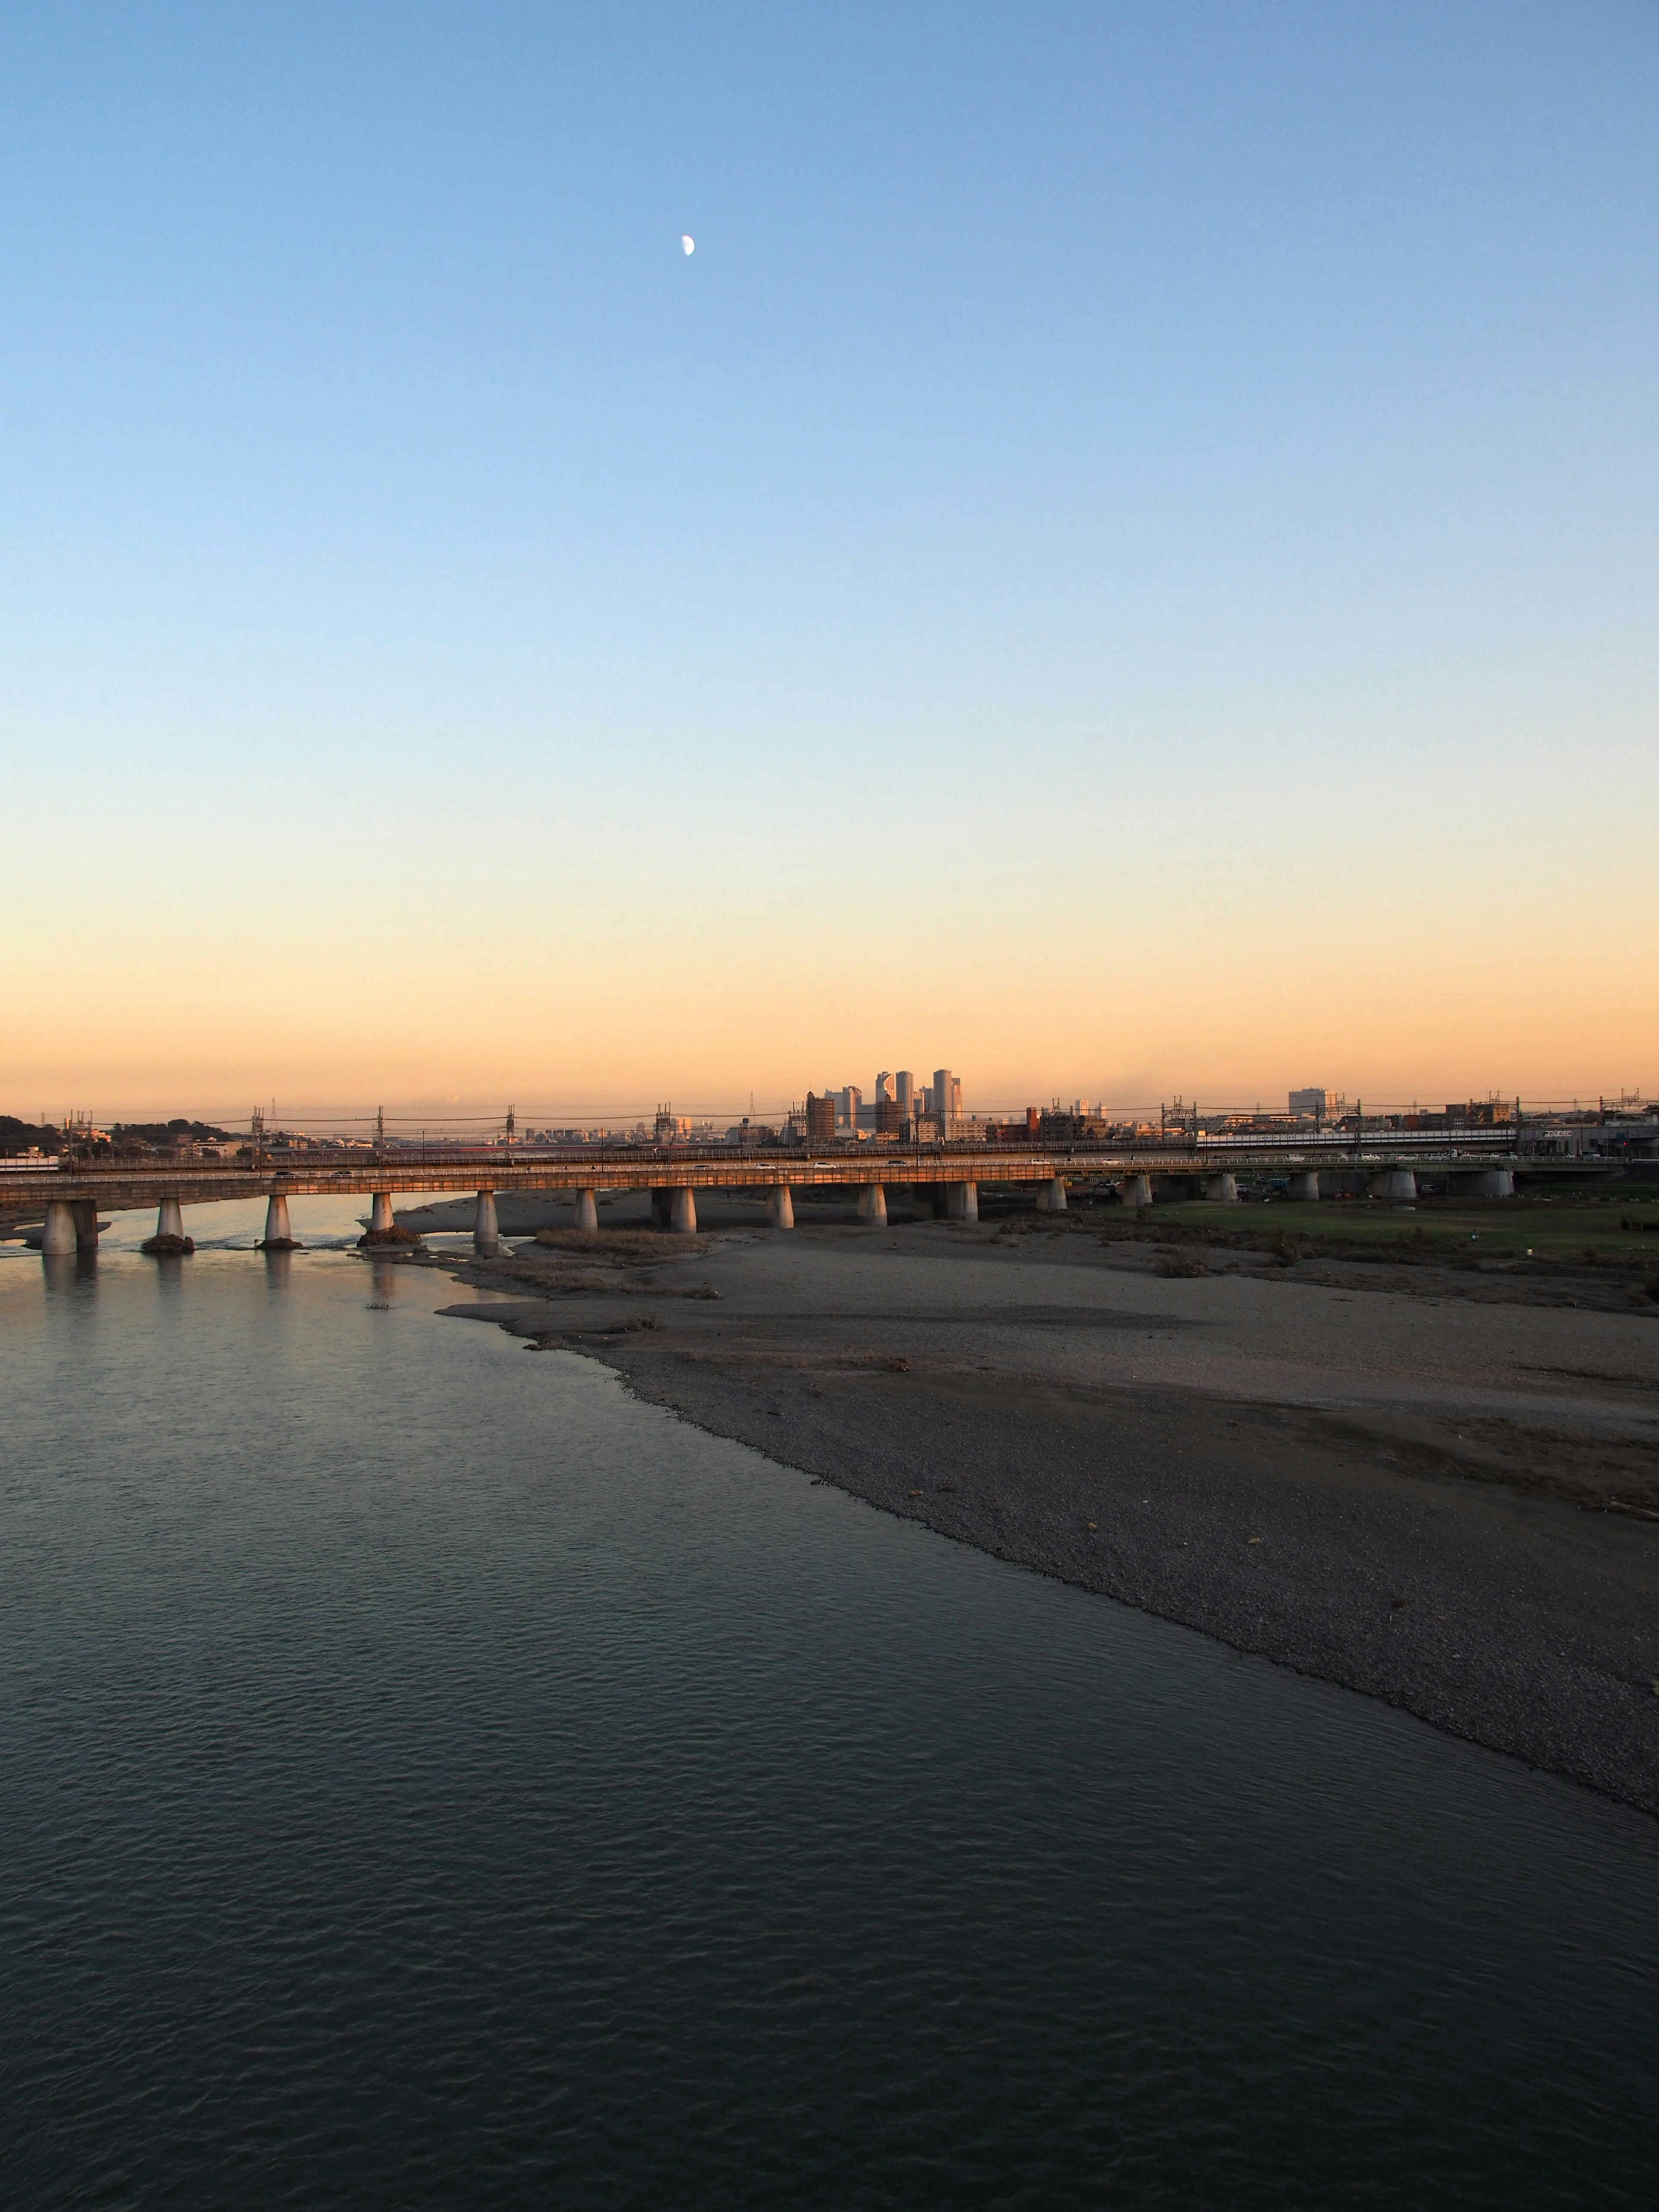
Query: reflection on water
x=67 y=1274
x=435 y=1778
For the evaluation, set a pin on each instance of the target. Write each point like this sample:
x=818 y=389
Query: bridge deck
x=120 y=1187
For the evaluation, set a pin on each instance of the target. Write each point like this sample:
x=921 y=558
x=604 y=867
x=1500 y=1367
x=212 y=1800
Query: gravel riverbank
x=1445 y=1502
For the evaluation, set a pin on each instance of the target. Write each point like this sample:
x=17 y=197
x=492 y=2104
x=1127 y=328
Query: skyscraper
x=947 y=1100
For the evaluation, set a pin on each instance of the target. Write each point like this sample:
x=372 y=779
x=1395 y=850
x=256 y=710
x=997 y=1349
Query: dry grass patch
x=629 y=1247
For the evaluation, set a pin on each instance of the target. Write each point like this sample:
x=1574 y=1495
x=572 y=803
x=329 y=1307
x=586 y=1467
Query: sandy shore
x=1442 y=1500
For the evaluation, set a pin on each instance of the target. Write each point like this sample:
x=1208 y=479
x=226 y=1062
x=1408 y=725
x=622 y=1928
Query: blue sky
x=1132 y=529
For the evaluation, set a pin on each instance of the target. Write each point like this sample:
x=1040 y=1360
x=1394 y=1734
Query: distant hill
x=161 y=1135
x=17 y=1136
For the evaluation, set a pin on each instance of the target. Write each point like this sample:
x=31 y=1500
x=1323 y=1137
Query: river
x=433 y=1777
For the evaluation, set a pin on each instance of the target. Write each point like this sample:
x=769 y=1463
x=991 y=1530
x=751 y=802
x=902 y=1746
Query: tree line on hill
x=18 y=1137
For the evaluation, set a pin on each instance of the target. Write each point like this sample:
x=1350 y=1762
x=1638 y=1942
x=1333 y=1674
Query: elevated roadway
x=69 y=1196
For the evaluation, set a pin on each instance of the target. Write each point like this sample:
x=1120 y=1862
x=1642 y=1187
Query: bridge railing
x=1203 y=1148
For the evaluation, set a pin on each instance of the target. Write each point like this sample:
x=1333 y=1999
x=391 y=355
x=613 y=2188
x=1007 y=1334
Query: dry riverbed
x=1427 y=1492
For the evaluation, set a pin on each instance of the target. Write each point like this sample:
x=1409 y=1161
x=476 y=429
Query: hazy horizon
x=1127 y=554
x=406 y=1118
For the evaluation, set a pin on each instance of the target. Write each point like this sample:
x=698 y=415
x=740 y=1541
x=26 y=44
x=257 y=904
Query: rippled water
x=431 y=1776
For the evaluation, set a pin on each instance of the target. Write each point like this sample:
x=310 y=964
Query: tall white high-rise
x=884 y=1086
x=905 y=1092
x=851 y=1099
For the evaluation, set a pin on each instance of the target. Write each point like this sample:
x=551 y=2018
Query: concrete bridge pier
x=587 y=1209
x=1222 y=1189
x=1136 y=1190
x=961 y=1201
x=874 y=1206
x=380 y=1212
x=278 y=1236
x=85 y=1213
x=1393 y=1182
x=1304 y=1186
x=59 y=1236
x=486 y=1230
x=1491 y=1182
x=684 y=1219
x=1051 y=1196
x=169 y=1235
x=779 y=1207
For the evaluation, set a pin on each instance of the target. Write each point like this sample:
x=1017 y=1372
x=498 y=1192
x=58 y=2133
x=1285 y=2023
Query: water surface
x=431 y=1776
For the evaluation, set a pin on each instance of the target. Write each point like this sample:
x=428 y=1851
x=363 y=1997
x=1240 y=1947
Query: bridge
x=67 y=1196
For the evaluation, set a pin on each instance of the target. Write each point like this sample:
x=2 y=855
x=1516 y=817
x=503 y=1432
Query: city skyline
x=406 y=1121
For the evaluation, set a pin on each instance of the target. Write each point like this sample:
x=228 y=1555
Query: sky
x=1125 y=563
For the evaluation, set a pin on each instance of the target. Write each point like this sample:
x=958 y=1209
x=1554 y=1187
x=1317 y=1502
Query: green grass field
x=1568 y=1230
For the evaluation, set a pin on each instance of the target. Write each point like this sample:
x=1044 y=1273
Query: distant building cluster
x=898 y=1107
